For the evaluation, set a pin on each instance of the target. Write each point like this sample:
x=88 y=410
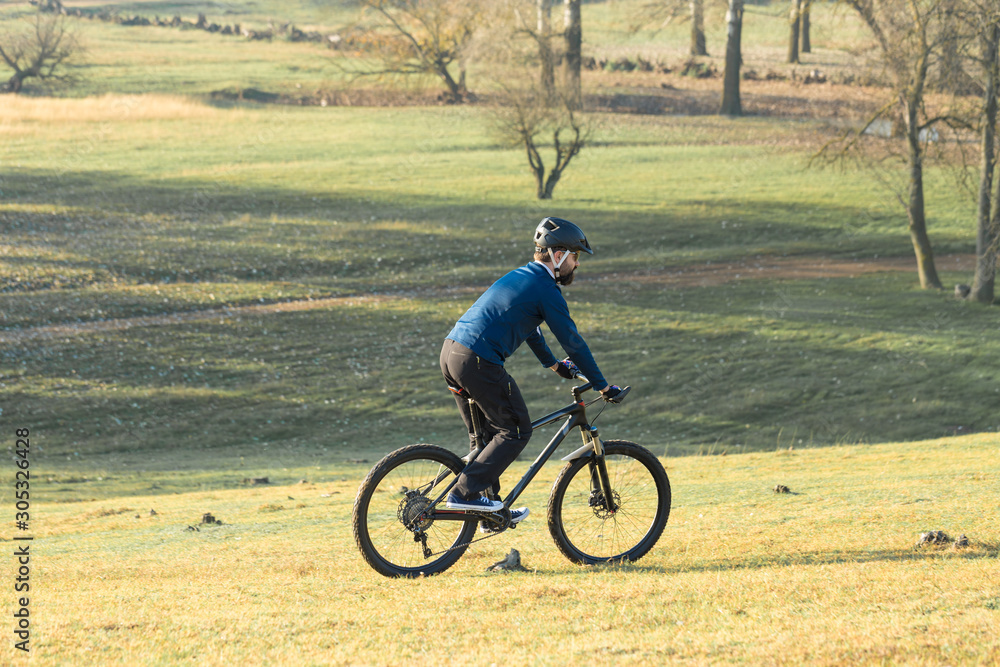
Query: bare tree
x=988 y=212
x=526 y=118
x=40 y=49
x=425 y=37
x=794 y=23
x=909 y=34
x=531 y=112
x=734 y=60
x=531 y=18
x=805 y=25
x=573 y=59
x=698 y=45
x=667 y=11
x=546 y=55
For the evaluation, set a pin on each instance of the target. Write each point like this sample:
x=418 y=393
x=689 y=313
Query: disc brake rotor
x=600 y=506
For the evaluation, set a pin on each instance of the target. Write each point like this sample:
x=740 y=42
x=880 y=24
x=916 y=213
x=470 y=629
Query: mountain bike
x=610 y=503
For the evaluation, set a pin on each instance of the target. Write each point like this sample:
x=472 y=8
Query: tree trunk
x=987 y=231
x=734 y=59
x=555 y=172
x=574 y=54
x=915 y=205
x=550 y=185
x=805 y=27
x=698 y=47
x=995 y=218
x=793 y=39
x=456 y=89
x=564 y=154
x=537 y=167
x=547 y=77
x=949 y=78
x=14 y=83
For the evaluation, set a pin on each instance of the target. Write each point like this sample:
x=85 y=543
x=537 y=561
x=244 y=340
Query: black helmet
x=556 y=233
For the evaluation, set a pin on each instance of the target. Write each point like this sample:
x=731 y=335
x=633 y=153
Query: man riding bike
x=507 y=314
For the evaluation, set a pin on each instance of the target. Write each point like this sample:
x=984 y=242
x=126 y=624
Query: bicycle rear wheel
x=587 y=528
x=391 y=525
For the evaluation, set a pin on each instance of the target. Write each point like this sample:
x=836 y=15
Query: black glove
x=611 y=393
x=566 y=369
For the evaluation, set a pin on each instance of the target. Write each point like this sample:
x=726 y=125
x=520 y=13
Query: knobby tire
x=394 y=490
x=585 y=528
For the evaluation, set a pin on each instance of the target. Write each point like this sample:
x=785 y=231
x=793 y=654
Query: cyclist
x=472 y=357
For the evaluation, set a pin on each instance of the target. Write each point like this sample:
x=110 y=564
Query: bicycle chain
x=496 y=533
x=466 y=544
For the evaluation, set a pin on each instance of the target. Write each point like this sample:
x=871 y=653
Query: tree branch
x=949 y=120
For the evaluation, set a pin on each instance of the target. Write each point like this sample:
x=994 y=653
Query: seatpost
x=477 y=427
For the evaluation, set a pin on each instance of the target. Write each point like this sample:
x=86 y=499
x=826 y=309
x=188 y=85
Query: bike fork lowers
x=600 y=482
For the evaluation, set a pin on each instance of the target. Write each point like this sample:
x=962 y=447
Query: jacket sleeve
x=564 y=329
x=536 y=341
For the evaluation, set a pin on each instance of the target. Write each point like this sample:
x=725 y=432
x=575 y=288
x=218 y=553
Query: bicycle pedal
x=490 y=530
x=486 y=526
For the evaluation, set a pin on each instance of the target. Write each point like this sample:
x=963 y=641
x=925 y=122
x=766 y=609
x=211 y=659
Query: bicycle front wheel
x=590 y=528
x=396 y=533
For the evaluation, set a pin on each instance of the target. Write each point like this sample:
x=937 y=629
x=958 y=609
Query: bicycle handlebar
x=619 y=398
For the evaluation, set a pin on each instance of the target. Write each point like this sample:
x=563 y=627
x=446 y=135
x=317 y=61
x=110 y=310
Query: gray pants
x=502 y=414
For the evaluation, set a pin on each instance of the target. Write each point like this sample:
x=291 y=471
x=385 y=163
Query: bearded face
x=567 y=270
x=566 y=278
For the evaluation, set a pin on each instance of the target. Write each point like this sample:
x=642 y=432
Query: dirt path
x=794 y=268
x=791 y=268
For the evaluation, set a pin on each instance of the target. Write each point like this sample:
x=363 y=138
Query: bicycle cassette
x=412 y=512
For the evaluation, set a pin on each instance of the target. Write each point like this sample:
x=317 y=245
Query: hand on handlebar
x=613 y=394
x=566 y=369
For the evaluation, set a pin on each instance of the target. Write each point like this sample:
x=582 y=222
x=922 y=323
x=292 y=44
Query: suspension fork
x=599 y=479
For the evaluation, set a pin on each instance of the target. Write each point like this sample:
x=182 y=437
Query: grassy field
x=828 y=574
x=142 y=59
x=198 y=293
x=159 y=206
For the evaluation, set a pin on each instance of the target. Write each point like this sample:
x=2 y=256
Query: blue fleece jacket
x=510 y=312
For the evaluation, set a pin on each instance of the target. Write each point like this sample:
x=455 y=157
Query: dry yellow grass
x=828 y=574
x=103 y=108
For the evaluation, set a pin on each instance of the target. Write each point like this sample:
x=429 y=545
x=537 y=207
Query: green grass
x=156 y=209
x=306 y=13
x=610 y=31
x=755 y=367
x=150 y=59
x=144 y=59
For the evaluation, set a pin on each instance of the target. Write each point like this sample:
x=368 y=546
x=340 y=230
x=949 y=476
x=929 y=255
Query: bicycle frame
x=576 y=417
x=592 y=519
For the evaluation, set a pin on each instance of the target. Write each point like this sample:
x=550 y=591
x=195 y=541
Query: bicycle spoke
x=393 y=517
x=393 y=539
x=591 y=528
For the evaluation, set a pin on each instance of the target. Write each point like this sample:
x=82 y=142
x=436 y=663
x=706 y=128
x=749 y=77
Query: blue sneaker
x=477 y=504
